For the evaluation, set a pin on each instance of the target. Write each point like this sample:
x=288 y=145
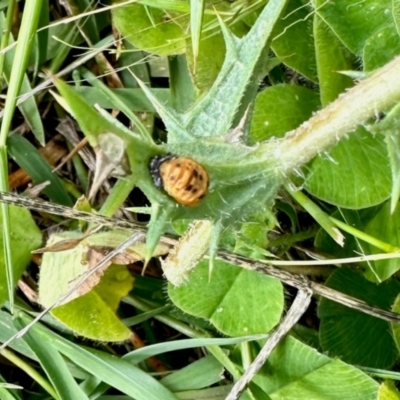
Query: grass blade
x=29 y=23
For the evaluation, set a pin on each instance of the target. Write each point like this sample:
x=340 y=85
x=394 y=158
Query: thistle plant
x=257 y=146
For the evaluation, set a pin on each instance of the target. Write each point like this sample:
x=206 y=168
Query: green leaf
x=354 y=336
x=28 y=158
x=60 y=270
x=42 y=38
x=211 y=57
x=29 y=107
x=196 y=21
x=293 y=40
x=89 y=25
x=209 y=62
x=213 y=114
x=215 y=393
x=104 y=325
x=6 y=395
x=359 y=158
x=95 y=125
x=296 y=371
x=151 y=29
x=25 y=237
x=380 y=48
x=331 y=58
x=54 y=365
x=90 y=121
x=141 y=354
x=200 y=374
x=112 y=370
x=319 y=215
x=226 y=299
x=395 y=326
x=181 y=86
x=388 y=391
x=16 y=63
x=354 y=22
x=390 y=128
x=356 y=219
x=281 y=108
x=7 y=330
x=385 y=227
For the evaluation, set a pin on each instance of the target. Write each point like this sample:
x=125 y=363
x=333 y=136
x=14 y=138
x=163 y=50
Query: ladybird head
x=182 y=178
x=154 y=167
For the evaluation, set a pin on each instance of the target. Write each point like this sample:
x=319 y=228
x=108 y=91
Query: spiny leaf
x=213 y=115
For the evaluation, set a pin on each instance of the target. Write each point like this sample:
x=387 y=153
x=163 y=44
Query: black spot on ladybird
x=182 y=178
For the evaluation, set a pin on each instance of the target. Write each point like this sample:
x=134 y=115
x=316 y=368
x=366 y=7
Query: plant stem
x=377 y=93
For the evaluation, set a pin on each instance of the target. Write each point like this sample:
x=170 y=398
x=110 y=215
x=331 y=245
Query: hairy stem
x=375 y=94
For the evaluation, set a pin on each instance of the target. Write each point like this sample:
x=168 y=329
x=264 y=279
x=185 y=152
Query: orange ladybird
x=181 y=177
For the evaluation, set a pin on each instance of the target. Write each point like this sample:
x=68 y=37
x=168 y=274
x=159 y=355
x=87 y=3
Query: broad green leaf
x=362 y=159
x=331 y=58
x=37 y=168
x=104 y=325
x=388 y=391
x=151 y=29
x=200 y=374
x=354 y=22
x=293 y=40
x=354 y=336
x=386 y=227
x=281 y=108
x=25 y=237
x=380 y=48
x=296 y=371
x=60 y=270
x=226 y=299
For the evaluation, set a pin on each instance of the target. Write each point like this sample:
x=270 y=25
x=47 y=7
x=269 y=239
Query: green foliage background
x=242 y=75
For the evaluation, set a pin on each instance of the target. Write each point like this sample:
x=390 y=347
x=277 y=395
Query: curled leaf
x=188 y=252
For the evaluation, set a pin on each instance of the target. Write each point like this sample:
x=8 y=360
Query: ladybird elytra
x=182 y=178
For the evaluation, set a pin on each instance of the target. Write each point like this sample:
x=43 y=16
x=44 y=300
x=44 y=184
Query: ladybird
x=181 y=177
